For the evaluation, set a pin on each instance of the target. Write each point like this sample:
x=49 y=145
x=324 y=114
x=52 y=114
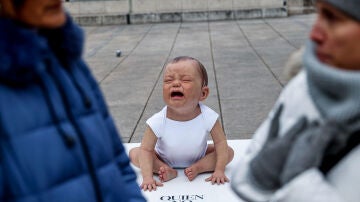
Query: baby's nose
x=176 y=83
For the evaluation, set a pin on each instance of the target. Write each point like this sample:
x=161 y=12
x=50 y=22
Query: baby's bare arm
x=146 y=160
x=222 y=156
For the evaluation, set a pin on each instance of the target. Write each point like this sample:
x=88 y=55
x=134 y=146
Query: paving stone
x=244 y=60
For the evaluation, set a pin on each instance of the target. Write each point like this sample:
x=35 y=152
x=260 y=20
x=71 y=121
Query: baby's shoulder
x=157 y=118
x=207 y=111
x=209 y=116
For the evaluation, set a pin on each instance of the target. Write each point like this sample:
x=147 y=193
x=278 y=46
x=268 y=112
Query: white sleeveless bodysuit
x=182 y=143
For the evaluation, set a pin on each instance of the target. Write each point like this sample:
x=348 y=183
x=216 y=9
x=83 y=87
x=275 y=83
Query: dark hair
x=201 y=67
x=18 y=3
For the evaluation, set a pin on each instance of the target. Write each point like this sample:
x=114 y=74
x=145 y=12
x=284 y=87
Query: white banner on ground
x=181 y=189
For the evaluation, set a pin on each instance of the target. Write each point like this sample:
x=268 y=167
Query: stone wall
x=300 y=6
x=105 y=12
x=99 y=12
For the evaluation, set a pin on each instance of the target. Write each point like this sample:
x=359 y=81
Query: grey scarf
x=335 y=92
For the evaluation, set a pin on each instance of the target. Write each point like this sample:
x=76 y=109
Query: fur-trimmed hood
x=23 y=51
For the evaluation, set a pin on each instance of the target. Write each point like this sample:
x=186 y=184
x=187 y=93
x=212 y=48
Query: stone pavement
x=244 y=60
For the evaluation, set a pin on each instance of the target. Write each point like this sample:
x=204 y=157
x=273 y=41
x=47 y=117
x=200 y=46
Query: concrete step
x=195 y=16
x=156 y=11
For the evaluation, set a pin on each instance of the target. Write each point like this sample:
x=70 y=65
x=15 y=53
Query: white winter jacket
x=341 y=182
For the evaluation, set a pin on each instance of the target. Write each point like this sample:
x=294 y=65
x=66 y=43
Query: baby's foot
x=166 y=173
x=191 y=172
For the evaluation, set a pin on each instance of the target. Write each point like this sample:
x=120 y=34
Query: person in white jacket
x=308 y=147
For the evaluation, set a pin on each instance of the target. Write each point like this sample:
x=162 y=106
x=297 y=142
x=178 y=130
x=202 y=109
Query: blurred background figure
x=294 y=63
x=308 y=147
x=58 y=141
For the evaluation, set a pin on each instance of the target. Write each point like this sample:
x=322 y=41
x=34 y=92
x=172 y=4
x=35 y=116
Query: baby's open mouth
x=176 y=94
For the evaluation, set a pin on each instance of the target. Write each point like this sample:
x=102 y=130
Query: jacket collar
x=334 y=91
x=23 y=50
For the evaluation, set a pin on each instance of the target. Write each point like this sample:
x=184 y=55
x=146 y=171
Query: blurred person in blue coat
x=58 y=141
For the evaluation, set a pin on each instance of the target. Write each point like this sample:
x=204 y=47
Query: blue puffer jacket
x=57 y=139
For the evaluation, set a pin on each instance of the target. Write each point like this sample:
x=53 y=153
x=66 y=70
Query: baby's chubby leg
x=164 y=171
x=205 y=164
x=191 y=172
x=167 y=173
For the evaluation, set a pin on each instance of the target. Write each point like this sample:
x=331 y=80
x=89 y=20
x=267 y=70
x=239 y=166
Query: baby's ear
x=204 y=93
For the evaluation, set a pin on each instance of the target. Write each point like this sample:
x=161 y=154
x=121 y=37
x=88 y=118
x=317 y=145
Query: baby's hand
x=150 y=184
x=217 y=177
